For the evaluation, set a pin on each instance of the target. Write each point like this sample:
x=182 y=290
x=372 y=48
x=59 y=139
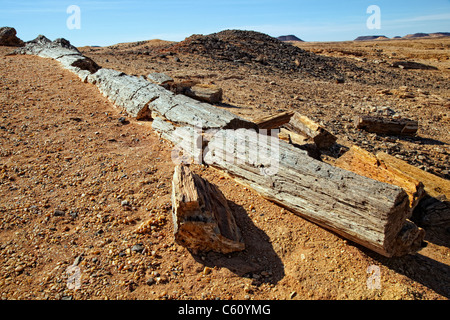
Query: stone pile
x=263 y=50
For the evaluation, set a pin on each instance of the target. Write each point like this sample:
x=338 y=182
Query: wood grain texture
x=367 y=164
x=434 y=185
x=274 y=121
x=202 y=219
x=364 y=210
x=381 y=125
x=303 y=125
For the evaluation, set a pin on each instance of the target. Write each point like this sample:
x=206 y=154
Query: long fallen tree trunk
x=62 y=51
x=368 y=212
x=136 y=95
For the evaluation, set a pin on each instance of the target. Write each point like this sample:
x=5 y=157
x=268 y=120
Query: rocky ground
x=78 y=177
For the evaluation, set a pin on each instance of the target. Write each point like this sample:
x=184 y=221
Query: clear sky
x=107 y=22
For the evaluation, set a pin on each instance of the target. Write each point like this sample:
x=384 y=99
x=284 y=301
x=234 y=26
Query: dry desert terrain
x=78 y=176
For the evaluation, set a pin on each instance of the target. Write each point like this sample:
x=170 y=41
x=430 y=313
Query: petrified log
x=159 y=78
x=435 y=209
x=367 y=164
x=188 y=141
x=202 y=219
x=274 y=121
x=300 y=141
x=434 y=186
x=186 y=111
x=292 y=137
x=305 y=126
x=364 y=210
x=205 y=92
x=140 y=98
x=62 y=51
x=131 y=93
x=381 y=125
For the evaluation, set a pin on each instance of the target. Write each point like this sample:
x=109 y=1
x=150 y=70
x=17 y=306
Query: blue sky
x=106 y=22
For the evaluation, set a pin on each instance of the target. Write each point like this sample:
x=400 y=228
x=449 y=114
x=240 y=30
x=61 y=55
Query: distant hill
x=368 y=38
x=289 y=38
x=427 y=35
x=419 y=35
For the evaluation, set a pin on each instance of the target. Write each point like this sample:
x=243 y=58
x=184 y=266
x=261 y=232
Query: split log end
x=203 y=221
x=409 y=240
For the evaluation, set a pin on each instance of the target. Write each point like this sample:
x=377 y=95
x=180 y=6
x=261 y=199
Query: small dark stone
x=59 y=213
x=73 y=213
x=123 y=120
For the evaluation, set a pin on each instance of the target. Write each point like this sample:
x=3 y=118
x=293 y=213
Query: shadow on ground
x=258 y=261
x=424 y=270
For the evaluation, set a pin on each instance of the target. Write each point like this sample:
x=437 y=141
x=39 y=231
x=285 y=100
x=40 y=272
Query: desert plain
x=79 y=176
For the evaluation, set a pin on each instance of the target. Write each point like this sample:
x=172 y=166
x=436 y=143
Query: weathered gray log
x=209 y=93
x=305 y=126
x=131 y=93
x=188 y=141
x=387 y=126
x=363 y=210
x=140 y=97
x=159 y=78
x=274 y=121
x=186 y=111
x=62 y=51
x=202 y=219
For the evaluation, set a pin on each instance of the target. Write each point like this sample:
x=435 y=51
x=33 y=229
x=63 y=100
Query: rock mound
x=8 y=37
x=250 y=47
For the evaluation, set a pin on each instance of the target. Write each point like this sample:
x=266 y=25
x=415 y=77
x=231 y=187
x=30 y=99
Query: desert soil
x=78 y=177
